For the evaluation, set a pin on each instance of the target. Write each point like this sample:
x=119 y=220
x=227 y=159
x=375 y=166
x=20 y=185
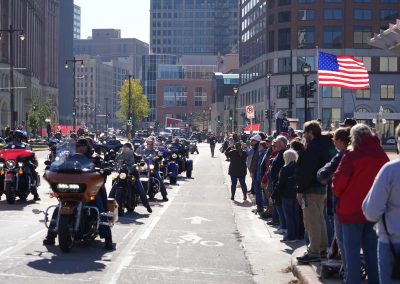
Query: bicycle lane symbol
x=193 y=239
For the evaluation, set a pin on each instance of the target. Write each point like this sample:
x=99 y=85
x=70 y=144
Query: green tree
x=139 y=104
x=38 y=113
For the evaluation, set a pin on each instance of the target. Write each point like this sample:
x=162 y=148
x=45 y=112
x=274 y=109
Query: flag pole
x=318 y=100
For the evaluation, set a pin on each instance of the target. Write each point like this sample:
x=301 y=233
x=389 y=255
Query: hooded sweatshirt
x=354 y=177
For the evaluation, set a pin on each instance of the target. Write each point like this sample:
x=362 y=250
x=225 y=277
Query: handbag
x=396 y=255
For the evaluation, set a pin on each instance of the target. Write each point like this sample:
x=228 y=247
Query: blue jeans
x=163 y=190
x=142 y=194
x=291 y=211
x=329 y=227
x=282 y=220
x=259 y=194
x=386 y=260
x=242 y=181
x=339 y=239
x=355 y=237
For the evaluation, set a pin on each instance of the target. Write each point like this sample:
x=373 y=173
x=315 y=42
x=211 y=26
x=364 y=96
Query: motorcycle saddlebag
x=112 y=207
x=189 y=165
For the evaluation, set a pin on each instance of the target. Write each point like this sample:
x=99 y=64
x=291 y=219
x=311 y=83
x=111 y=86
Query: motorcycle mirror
x=47 y=163
x=107 y=172
x=36 y=211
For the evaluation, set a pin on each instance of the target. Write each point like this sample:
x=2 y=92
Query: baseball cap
x=256 y=137
x=349 y=122
x=269 y=138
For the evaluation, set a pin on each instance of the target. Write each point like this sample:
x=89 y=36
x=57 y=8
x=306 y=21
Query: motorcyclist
x=126 y=156
x=18 y=138
x=100 y=201
x=149 y=150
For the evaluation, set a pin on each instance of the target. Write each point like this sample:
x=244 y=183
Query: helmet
x=19 y=134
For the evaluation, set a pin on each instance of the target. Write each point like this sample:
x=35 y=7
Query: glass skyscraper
x=198 y=27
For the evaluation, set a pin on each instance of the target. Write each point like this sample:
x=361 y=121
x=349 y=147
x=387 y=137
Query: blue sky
x=132 y=17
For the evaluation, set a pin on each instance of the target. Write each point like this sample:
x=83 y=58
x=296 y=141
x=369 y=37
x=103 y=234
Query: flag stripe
x=342 y=71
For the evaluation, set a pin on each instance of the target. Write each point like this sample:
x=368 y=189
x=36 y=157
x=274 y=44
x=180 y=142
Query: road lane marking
x=126 y=236
x=37 y=233
x=150 y=228
x=197 y=220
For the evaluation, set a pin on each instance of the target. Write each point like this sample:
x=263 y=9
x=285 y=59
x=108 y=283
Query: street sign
x=250 y=112
x=129 y=122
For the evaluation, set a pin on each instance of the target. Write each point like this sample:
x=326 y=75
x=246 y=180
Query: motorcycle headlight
x=20 y=164
x=11 y=164
x=1 y=165
x=174 y=156
x=151 y=167
x=122 y=175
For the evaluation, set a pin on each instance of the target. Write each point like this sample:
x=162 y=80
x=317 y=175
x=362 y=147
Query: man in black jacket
x=311 y=194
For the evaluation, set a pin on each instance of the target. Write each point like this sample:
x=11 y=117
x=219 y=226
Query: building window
x=387 y=92
x=388 y=64
x=362 y=36
x=330 y=115
x=362 y=109
x=333 y=37
x=283 y=91
x=367 y=62
x=306 y=37
x=284 y=17
x=284 y=65
x=175 y=96
x=200 y=96
x=362 y=14
x=306 y=15
x=310 y=60
x=333 y=14
x=389 y=15
x=363 y=94
x=284 y=39
x=284 y=2
x=331 y=92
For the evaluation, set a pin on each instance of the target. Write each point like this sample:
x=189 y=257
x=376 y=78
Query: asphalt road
x=192 y=238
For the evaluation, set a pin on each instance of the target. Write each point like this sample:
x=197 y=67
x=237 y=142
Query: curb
x=305 y=273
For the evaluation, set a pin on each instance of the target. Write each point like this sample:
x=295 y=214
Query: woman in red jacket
x=351 y=183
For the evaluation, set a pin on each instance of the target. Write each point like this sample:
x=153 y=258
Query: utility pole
x=106 y=99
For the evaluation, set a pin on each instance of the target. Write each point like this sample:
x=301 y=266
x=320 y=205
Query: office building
x=206 y=27
x=77 y=22
x=108 y=45
x=35 y=59
x=278 y=37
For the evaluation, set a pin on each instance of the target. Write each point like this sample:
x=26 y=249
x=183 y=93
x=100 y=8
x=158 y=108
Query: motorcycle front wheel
x=64 y=233
x=10 y=195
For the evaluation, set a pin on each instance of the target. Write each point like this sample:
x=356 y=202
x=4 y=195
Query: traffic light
x=73 y=113
x=266 y=113
x=312 y=88
x=230 y=115
x=272 y=113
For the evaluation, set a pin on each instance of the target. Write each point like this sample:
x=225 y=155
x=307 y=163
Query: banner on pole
x=250 y=112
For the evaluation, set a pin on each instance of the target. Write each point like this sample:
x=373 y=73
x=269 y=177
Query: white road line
x=37 y=233
x=126 y=236
x=150 y=228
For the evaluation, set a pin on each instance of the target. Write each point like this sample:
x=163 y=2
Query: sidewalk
x=270 y=259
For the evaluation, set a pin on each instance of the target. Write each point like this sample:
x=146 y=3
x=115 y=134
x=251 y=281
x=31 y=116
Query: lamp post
x=306 y=73
x=74 y=61
x=235 y=91
x=269 y=104
x=106 y=99
x=21 y=36
x=129 y=118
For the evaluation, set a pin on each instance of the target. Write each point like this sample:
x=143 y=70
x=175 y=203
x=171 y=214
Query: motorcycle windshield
x=16 y=146
x=68 y=161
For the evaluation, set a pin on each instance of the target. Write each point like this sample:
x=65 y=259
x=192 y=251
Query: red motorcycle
x=16 y=172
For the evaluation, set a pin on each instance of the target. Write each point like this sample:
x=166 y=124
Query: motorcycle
x=193 y=147
x=15 y=172
x=184 y=164
x=146 y=170
x=123 y=189
x=75 y=183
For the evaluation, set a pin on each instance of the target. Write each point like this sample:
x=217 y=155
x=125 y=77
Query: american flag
x=342 y=71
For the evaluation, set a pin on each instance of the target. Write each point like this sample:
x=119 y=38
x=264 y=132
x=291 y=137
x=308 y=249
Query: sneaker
x=232 y=197
x=165 y=199
x=49 y=241
x=307 y=258
x=36 y=197
x=265 y=215
x=149 y=209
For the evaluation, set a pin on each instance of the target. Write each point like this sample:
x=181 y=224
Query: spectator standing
x=258 y=172
x=311 y=194
x=351 y=183
x=280 y=144
x=286 y=189
x=341 y=139
x=382 y=205
x=237 y=169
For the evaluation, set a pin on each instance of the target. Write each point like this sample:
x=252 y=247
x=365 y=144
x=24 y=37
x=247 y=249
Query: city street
x=199 y=236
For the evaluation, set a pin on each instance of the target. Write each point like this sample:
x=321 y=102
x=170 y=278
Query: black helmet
x=19 y=134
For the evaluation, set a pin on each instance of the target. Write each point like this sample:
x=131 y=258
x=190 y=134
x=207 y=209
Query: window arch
x=362 y=109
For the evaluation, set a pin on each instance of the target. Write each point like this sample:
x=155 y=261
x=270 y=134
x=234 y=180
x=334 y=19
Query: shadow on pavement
x=243 y=204
x=19 y=205
x=84 y=257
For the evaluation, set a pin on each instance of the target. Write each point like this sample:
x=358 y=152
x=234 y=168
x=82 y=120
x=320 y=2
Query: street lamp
x=269 y=104
x=21 y=36
x=235 y=91
x=306 y=73
x=74 y=61
x=129 y=122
